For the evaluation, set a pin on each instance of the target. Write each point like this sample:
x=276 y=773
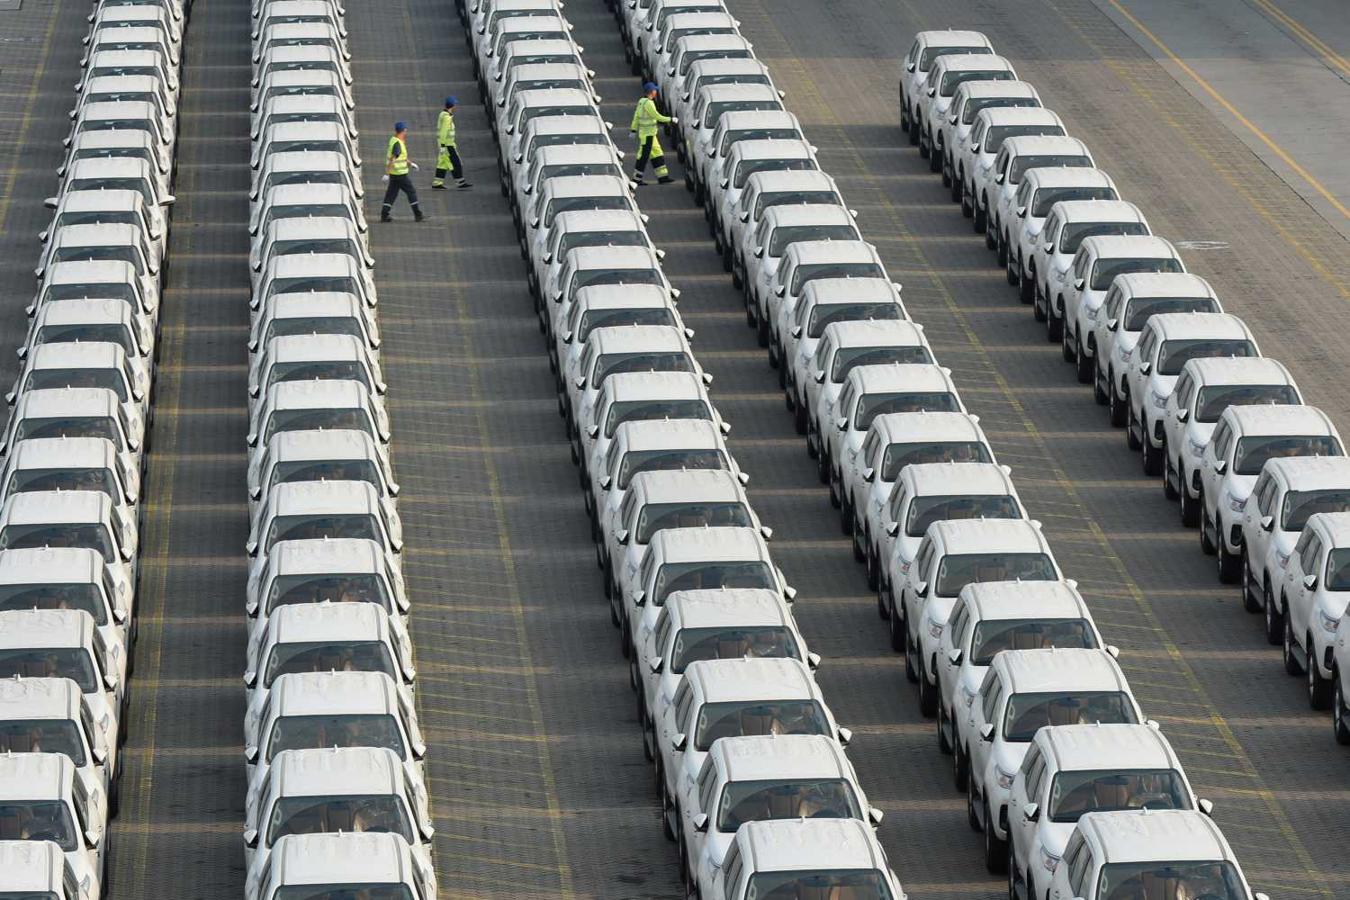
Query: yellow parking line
x=1330 y=57
x=1232 y=110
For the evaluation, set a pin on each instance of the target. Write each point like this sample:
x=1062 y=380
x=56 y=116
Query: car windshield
x=924 y=511
x=659 y=516
x=91 y=535
x=784 y=198
x=751 y=166
x=51 y=662
x=846 y=359
x=314 y=245
x=321 y=732
x=317 y=370
x=1207 y=879
x=1214 y=399
x=784 y=235
x=836 y=884
x=822 y=316
x=953 y=80
x=1252 y=452
x=873 y=405
x=38 y=820
x=98 y=217
x=715 y=110
x=315 y=419
x=613 y=318
x=110 y=252
x=996 y=635
x=1173 y=355
x=282 y=327
x=686 y=459
x=304 y=284
x=1048 y=197
x=66 y=479
x=1023 y=162
x=571 y=204
x=641 y=361
x=931 y=54
x=732 y=642
x=111 y=333
x=39 y=379
x=741 y=718
x=975 y=104
x=303 y=176
x=588 y=277
x=757 y=801
x=563 y=170
x=643 y=410
x=67 y=426
x=1105 y=270
x=123 y=291
x=959 y=570
x=293 y=590
x=898 y=456
x=328 y=470
x=43 y=736
x=1140 y=309
x=348 y=891
x=692 y=56
x=73 y=595
x=1029 y=713
x=347 y=814
x=995 y=135
x=1075 y=793
x=1072 y=235
x=307 y=210
x=574 y=239
x=329 y=656
x=706 y=576
x=1299 y=505
x=732 y=138
x=811 y=271
x=1338 y=570
x=362 y=526
x=144 y=153
x=555 y=140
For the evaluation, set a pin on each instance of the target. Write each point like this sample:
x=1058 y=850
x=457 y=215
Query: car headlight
x=1005 y=779
x=967 y=695
x=1124 y=354
x=1236 y=504
x=1197 y=447
x=935 y=629
x=1282 y=558
x=1049 y=861
x=1329 y=623
x=902 y=565
x=1159 y=400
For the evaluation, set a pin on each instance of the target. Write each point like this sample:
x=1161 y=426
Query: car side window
x=869 y=448
x=897 y=502
x=1112 y=303
x=1079 y=874
x=1146 y=343
x=913 y=52
x=683 y=700
x=626 y=509
x=1036 y=780
x=1183 y=389
x=1024 y=194
x=845 y=399
x=707 y=779
x=923 y=556
x=990 y=698
x=1080 y=263
x=1308 y=558
x=1001 y=161
x=1219 y=443
x=733 y=869
x=958 y=618
x=977 y=133
x=1265 y=494
x=823 y=352
x=1051 y=223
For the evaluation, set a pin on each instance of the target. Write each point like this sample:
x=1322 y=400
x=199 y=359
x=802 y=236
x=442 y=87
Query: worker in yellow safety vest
x=645 y=119
x=396 y=165
x=448 y=157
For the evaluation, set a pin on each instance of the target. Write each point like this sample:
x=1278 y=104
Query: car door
x=1025 y=790
x=1254 y=534
x=1298 y=599
x=948 y=660
x=1210 y=476
x=982 y=712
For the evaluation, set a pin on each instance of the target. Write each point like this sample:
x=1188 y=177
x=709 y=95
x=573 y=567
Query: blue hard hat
x=451 y=101
x=400 y=126
x=649 y=86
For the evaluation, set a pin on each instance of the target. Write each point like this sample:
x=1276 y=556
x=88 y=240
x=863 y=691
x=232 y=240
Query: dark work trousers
x=651 y=150
x=400 y=183
x=449 y=158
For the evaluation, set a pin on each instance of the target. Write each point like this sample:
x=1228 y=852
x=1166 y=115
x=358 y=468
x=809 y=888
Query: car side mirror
x=766 y=532
x=1078 y=284
x=813 y=661
x=1205 y=806
x=1145 y=367
x=921 y=589
x=951 y=120
x=789 y=593
x=1262 y=896
x=606 y=482
x=893 y=529
x=745 y=217
x=975 y=147
x=655 y=664
x=640 y=598
x=955 y=657
x=50 y=202
x=580 y=382
x=1267 y=523
x=100 y=754
x=1310 y=582
x=593 y=431
x=250 y=679
x=874 y=816
x=250 y=755
x=987 y=731
x=820 y=376
x=845 y=737
x=869 y=474
x=251 y=838
x=841 y=423
x=1183 y=415
x=932 y=92
x=759 y=251
x=726 y=183
x=1112 y=324
x=622 y=536
x=1049 y=247
x=701 y=823
x=796 y=331
x=92 y=839
x=1220 y=466
x=1021 y=212
x=678 y=741
x=909 y=67
x=998 y=179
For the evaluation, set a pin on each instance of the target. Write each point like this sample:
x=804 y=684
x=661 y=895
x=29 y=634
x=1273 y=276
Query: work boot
x=418 y=217
x=464 y=184
x=664 y=179
x=385 y=218
x=438 y=185
x=637 y=178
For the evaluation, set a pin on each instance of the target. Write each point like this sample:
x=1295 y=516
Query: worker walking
x=645 y=119
x=448 y=158
x=396 y=165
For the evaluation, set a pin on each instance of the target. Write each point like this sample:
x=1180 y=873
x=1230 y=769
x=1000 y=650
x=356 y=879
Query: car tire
x=1152 y=457
x=1206 y=544
x=946 y=171
x=859 y=541
x=799 y=417
x=958 y=190
x=762 y=331
x=1099 y=386
x=991 y=237
x=1131 y=440
x=972 y=817
x=1274 y=617
x=995 y=848
x=667 y=814
x=1287 y=654
x=944 y=743
x=911 y=654
x=1084 y=367
x=897 y=629
x=934 y=156
x=928 y=693
x=904 y=116
x=967 y=207
x=871 y=561
x=980 y=217
x=1116 y=404
x=960 y=766
x=737 y=280
x=1251 y=597
x=1190 y=508
x=1026 y=284
x=1054 y=326
x=115 y=795
x=1320 y=690
x=1340 y=717
x=1168 y=491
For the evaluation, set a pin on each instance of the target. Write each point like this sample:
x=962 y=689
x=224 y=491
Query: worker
x=645 y=119
x=396 y=165
x=448 y=158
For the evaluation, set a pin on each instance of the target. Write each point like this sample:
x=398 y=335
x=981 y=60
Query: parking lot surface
x=538 y=785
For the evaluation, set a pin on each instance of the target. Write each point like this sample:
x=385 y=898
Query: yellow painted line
x=1330 y=57
x=1232 y=110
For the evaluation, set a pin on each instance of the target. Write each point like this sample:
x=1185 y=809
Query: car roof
x=1081 y=211
x=563 y=154
x=1058 y=669
x=952 y=37
x=1290 y=419
x=1120 y=246
x=746 y=678
x=547 y=46
x=56 y=507
x=114 y=137
x=96 y=234
x=324 y=556
x=989 y=535
x=844 y=290
x=1035 y=144
x=299 y=227
x=329 y=693
x=321 y=394
x=72 y=354
x=653 y=386
x=636 y=338
x=35 y=776
x=93 y=271
x=901 y=377
x=353 y=858
x=32 y=866
x=1018 y=115
x=776 y=757
x=317 y=497
x=739 y=119
x=298 y=264
x=917 y=427
x=327 y=621
x=528 y=71
x=726 y=66
x=832 y=251
x=68 y=401
x=1155 y=835
x=1312 y=473
x=983 y=89
x=596 y=219
x=1239 y=370
x=48 y=565
x=63 y=452
x=534 y=21
x=932 y=479
x=1069 y=176
x=1336 y=526
x=996 y=600
x=793 y=180
x=322 y=304
x=708 y=545
x=624 y=296
x=621 y=257
x=315 y=347
x=973 y=62
x=720 y=607
x=26 y=628
x=698 y=19
x=113 y=199
x=770 y=148
x=1163 y=284
x=871 y=332
x=714 y=41
x=1172 y=326
x=692 y=486
x=339 y=443
x=586 y=186
x=667 y=434
x=76 y=311
x=39 y=698
x=306 y=161
x=808 y=214
x=559 y=97
x=302 y=103
x=778 y=845
x=1109 y=747
x=336 y=770
x=568 y=124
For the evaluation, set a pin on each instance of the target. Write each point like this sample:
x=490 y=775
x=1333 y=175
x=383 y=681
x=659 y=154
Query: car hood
x=1054 y=835
x=1240 y=486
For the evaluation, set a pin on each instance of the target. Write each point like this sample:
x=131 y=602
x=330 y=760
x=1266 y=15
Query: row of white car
x=74 y=454
x=731 y=712
x=1258 y=471
x=337 y=799
x=1049 y=744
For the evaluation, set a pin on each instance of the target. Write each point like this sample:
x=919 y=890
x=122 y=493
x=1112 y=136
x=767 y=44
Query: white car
x=326 y=570
x=1015 y=158
x=298 y=12
x=643 y=27
x=1167 y=342
x=1181 y=851
x=315 y=455
x=1067 y=225
x=968 y=102
x=608 y=306
x=635 y=397
x=702 y=113
x=721 y=623
x=130 y=37
x=562 y=160
x=50 y=715
x=112 y=205
x=1245 y=438
x=309 y=357
x=566 y=194
x=300 y=167
x=584 y=128
x=746 y=125
x=1024 y=691
x=103 y=242
x=298 y=201
x=729 y=175
x=990 y=617
x=949 y=73
x=43 y=796
x=310 y=234
x=706 y=72
x=801 y=858
x=586 y=228
x=130 y=62
x=1073 y=770
x=131 y=115
x=526 y=106
x=694 y=48
x=89 y=519
x=629 y=348
x=70 y=578
x=1130 y=302
x=309 y=272
x=927 y=48
x=804 y=262
x=721 y=698
x=304 y=405
x=74 y=412
x=1314 y=599
x=527 y=53
x=1340 y=670
x=72 y=464
x=587 y=266
x=91 y=146
x=1206 y=388
x=757 y=258
x=537 y=77
x=130 y=89
x=320 y=312
x=314 y=510
x=341 y=864
x=978 y=150
x=516 y=21
x=302 y=82
x=110 y=279
x=1041 y=189
x=302 y=108
x=39 y=869
x=277 y=38
x=757 y=779
x=660 y=50
x=1286 y=494
x=1099 y=261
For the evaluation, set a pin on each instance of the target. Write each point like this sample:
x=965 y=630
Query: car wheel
x=737 y=278
x=1054 y=326
x=1068 y=344
x=822 y=461
x=897 y=623
x=762 y=331
x=1168 y=491
x=1319 y=688
x=1287 y=652
x=1026 y=284
x=115 y=796
x=1131 y=440
x=872 y=564
x=957 y=190
x=995 y=849
x=946 y=171
x=1118 y=406
x=1152 y=457
x=882 y=609
x=991 y=237
x=667 y=814
x=914 y=132
x=928 y=693
x=799 y=417
x=1206 y=543
x=1190 y=508
x=967 y=208
x=980 y=216
x=960 y=766
x=1014 y=269
x=911 y=654
x=1340 y=719
x=859 y=541
x=904 y=116
x=940 y=720
x=934 y=155
x=972 y=817
x=1251 y=595
x=1099 y=386
x=1084 y=367
x=775 y=362
x=1274 y=617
